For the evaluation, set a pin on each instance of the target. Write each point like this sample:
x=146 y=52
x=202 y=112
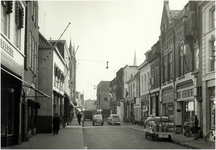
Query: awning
x=26 y=84
x=72 y=104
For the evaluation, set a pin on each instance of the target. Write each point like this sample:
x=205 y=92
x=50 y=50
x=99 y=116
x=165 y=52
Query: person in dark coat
x=79 y=116
x=194 y=128
x=56 y=124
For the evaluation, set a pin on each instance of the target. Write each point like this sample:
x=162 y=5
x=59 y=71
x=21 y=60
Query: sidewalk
x=72 y=139
x=182 y=140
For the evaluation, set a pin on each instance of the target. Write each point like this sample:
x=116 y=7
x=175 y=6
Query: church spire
x=135 y=61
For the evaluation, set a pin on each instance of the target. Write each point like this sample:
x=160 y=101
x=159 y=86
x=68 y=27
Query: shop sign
x=136 y=105
x=7 y=48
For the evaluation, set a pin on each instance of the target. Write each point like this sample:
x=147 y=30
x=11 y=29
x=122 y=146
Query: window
x=30 y=49
x=145 y=82
x=156 y=77
x=212 y=56
x=5 y=18
x=35 y=58
x=164 y=68
x=196 y=57
x=170 y=71
x=153 y=77
x=134 y=91
x=32 y=53
x=181 y=49
x=212 y=18
x=212 y=53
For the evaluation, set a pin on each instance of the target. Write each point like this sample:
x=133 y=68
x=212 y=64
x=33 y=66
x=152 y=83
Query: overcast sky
x=104 y=31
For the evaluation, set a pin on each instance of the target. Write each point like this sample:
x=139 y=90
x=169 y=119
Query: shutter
x=9 y=7
x=17 y=12
x=19 y=16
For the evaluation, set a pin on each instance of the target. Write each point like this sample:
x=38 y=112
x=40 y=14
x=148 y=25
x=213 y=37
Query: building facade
x=207 y=52
x=51 y=81
x=13 y=26
x=144 y=70
x=103 y=103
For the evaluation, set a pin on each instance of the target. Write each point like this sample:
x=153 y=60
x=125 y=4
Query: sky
x=101 y=31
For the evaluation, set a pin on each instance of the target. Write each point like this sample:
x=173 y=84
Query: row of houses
x=177 y=77
x=38 y=76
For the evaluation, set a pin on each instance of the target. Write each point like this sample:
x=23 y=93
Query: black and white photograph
x=108 y=74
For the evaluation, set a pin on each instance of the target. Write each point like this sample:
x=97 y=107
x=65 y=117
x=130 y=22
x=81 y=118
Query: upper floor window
x=6 y=9
x=181 y=51
x=212 y=53
x=196 y=56
x=134 y=90
x=164 y=68
x=170 y=71
x=212 y=18
x=156 y=80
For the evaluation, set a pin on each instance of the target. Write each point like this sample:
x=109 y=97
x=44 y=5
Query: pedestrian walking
x=194 y=128
x=79 y=116
x=56 y=124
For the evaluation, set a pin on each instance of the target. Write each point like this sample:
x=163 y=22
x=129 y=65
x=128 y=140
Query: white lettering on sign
x=6 y=47
x=136 y=105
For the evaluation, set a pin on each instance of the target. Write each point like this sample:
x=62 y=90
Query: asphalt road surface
x=120 y=137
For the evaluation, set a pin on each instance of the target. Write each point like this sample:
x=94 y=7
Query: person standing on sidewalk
x=79 y=116
x=56 y=124
x=194 y=128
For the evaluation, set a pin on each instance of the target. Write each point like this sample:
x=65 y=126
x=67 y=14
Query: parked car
x=97 y=119
x=113 y=119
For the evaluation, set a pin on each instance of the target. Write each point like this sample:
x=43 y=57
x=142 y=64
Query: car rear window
x=115 y=116
x=97 y=116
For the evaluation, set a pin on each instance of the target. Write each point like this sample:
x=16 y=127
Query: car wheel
x=93 y=123
x=102 y=124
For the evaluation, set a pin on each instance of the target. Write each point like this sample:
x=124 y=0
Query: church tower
x=135 y=61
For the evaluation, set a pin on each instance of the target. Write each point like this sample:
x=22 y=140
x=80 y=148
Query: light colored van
x=97 y=119
x=113 y=119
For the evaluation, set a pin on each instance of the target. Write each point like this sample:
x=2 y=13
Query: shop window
x=189 y=111
x=10 y=111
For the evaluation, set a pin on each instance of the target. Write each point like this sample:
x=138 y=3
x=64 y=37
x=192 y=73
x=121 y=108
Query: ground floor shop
x=167 y=102
x=208 y=105
x=11 y=99
x=144 y=106
x=154 y=103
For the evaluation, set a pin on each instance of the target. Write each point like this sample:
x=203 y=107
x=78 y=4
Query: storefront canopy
x=27 y=84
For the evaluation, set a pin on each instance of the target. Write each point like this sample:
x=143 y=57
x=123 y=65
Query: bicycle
x=187 y=131
x=211 y=133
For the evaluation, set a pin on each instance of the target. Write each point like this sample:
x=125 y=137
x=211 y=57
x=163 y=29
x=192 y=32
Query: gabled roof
x=171 y=15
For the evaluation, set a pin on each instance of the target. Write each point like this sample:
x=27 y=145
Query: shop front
x=185 y=106
x=154 y=104
x=144 y=106
x=10 y=109
x=168 y=103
